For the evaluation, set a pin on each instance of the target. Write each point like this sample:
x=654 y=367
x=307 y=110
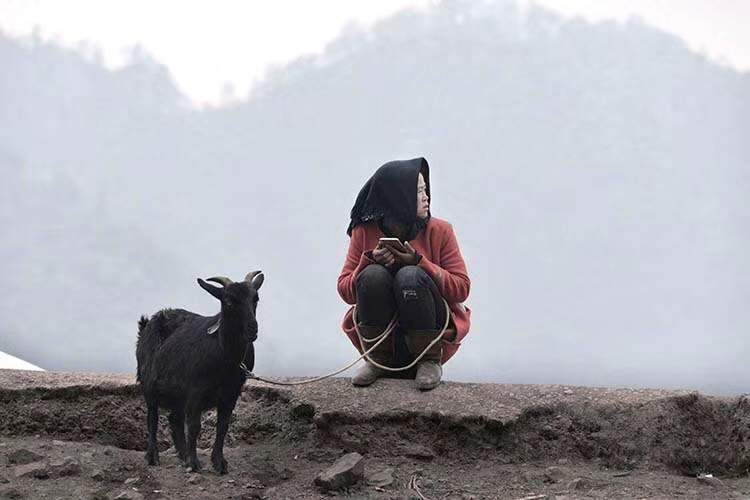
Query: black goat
x=189 y=363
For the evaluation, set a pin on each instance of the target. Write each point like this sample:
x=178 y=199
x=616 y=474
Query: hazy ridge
x=595 y=175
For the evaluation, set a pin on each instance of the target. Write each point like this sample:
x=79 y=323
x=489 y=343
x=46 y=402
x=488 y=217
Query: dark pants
x=410 y=291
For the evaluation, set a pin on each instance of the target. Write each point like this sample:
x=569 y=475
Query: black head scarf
x=389 y=197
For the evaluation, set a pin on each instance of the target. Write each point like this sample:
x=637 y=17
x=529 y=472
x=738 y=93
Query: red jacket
x=441 y=259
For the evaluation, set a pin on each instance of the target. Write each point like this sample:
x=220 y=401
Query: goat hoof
x=220 y=466
x=194 y=466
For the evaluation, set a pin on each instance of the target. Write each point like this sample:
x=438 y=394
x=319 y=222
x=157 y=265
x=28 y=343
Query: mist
x=596 y=176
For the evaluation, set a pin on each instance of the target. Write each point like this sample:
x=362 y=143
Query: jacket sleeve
x=450 y=273
x=357 y=258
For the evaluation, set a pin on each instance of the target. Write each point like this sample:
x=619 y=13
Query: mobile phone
x=393 y=243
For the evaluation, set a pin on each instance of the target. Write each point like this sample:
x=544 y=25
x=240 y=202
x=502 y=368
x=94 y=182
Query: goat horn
x=224 y=281
x=251 y=275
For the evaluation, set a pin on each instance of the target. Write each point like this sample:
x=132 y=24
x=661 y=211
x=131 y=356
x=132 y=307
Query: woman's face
x=423 y=201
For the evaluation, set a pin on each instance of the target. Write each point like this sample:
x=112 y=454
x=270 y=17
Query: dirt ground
x=86 y=433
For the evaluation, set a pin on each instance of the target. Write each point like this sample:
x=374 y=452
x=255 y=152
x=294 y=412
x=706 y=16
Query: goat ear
x=255 y=279
x=213 y=290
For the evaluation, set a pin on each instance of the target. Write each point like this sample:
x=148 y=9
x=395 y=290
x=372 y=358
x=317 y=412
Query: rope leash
x=365 y=352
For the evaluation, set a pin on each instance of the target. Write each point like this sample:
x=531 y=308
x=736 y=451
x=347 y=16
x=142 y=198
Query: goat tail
x=142 y=324
x=146 y=345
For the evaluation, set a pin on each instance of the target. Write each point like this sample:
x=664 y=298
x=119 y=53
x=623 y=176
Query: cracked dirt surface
x=458 y=441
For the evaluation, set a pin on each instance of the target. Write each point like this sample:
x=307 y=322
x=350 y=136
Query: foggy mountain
x=595 y=175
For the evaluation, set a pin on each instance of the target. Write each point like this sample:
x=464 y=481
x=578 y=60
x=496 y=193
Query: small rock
x=579 y=483
x=68 y=466
x=381 y=479
x=254 y=484
x=132 y=480
x=528 y=476
x=270 y=493
x=553 y=474
x=129 y=495
x=624 y=473
x=710 y=480
x=3 y=480
x=194 y=479
x=320 y=455
x=346 y=471
x=98 y=475
x=567 y=392
x=38 y=470
x=419 y=452
x=23 y=456
x=57 y=442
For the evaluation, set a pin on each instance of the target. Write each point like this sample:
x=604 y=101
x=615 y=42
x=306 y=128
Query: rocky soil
x=78 y=435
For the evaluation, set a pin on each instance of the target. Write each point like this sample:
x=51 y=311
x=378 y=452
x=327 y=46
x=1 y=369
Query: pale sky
x=207 y=45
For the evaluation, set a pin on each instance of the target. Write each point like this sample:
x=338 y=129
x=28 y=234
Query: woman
x=382 y=280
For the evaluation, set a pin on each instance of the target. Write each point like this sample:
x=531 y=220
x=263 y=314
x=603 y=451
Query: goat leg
x=177 y=426
x=223 y=416
x=152 y=420
x=193 y=430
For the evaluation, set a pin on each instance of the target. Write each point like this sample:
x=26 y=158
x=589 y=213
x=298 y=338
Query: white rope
x=365 y=352
x=380 y=338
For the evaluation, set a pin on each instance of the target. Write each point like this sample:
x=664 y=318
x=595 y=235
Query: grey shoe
x=382 y=354
x=428 y=375
x=367 y=375
x=429 y=370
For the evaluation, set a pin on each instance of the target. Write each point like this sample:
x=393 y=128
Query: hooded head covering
x=390 y=198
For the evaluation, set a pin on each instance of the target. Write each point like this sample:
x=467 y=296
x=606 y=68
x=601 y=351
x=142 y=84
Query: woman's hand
x=408 y=258
x=383 y=255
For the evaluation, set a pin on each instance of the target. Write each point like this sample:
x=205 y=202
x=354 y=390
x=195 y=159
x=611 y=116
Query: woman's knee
x=374 y=282
x=412 y=284
x=375 y=300
x=375 y=274
x=410 y=277
x=417 y=298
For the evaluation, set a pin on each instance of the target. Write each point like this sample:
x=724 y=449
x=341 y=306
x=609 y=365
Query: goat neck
x=232 y=336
